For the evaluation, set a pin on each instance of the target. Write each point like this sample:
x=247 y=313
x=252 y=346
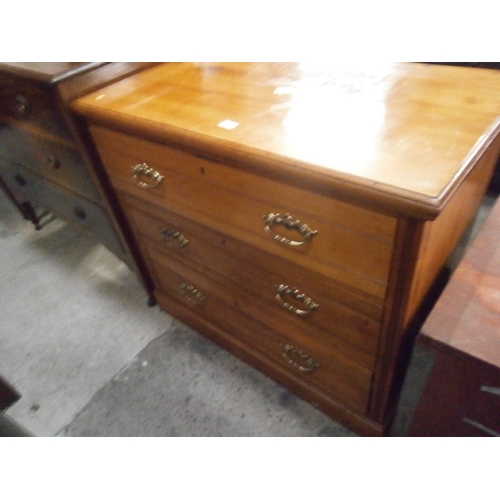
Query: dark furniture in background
x=460 y=344
x=46 y=165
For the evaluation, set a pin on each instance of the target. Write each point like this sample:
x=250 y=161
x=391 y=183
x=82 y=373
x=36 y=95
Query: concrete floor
x=90 y=358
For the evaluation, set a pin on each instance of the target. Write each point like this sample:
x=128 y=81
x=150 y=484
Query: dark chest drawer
x=53 y=158
x=28 y=186
x=33 y=104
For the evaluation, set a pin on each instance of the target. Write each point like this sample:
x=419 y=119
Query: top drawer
x=121 y=151
x=32 y=103
x=352 y=245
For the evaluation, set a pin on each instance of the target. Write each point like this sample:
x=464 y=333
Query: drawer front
x=272 y=285
x=53 y=159
x=309 y=360
x=28 y=186
x=344 y=253
x=121 y=151
x=31 y=103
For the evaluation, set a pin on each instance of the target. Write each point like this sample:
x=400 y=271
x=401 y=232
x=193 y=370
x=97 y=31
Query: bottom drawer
x=28 y=186
x=309 y=360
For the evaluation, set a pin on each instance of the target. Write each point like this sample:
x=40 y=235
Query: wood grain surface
x=393 y=134
x=467 y=316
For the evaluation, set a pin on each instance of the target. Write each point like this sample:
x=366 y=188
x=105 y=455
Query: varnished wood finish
x=336 y=374
x=387 y=163
x=441 y=236
x=149 y=220
x=238 y=200
x=354 y=334
x=313 y=394
x=306 y=123
x=120 y=149
x=49 y=72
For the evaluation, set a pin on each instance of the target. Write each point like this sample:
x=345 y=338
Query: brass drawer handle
x=143 y=169
x=298 y=359
x=297 y=295
x=191 y=294
x=173 y=239
x=287 y=221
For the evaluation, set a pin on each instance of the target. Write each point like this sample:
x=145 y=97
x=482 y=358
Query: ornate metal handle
x=297 y=295
x=143 y=169
x=173 y=239
x=191 y=294
x=287 y=221
x=298 y=359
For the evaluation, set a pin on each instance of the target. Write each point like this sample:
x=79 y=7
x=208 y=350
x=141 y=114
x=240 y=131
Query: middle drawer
x=52 y=158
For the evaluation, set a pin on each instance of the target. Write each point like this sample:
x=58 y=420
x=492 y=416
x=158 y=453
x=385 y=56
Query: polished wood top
x=400 y=134
x=467 y=315
x=50 y=72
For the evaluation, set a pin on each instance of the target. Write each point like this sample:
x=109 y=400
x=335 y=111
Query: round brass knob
x=21 y=104
x=53 y=162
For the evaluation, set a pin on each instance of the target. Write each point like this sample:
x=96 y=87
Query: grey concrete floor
x=90 y=358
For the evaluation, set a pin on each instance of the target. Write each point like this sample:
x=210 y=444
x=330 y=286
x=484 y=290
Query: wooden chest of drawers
x=299 y=215
x=45 y=164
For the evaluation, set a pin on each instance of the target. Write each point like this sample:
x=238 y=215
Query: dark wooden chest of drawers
x=46 y=165
x=460 y=345
x=298 y=217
